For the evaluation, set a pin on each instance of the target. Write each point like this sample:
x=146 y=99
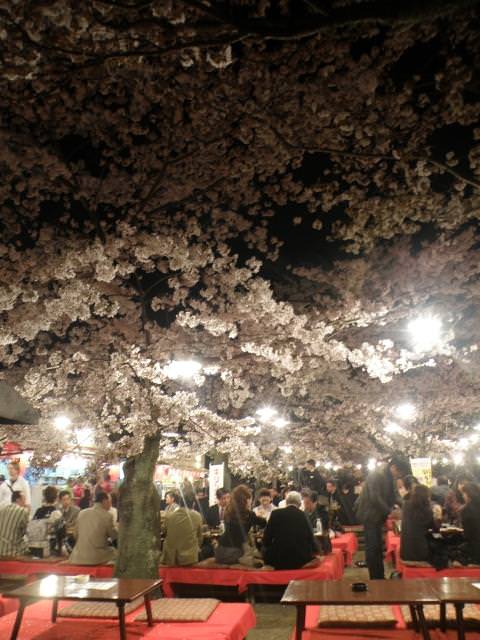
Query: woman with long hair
x=470 y=515
x=233 y=545
x=417 y=520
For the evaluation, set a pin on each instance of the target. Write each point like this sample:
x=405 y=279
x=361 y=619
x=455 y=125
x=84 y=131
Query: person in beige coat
x=93 y=531
x=183 y=535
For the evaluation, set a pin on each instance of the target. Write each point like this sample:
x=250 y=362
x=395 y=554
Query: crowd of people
x=288 y=528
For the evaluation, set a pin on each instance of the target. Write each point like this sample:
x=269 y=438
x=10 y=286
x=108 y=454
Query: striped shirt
x=13 y=525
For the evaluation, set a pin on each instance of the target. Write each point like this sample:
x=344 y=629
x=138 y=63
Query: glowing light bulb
x=458 y=458
x=405 y=411
x=182 y=369
x=62 y=422
x=280 y=423
x=426 y=332
x=372 y=463
x=266 y=413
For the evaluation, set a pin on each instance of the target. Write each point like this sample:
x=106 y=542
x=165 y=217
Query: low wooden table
x=415 y=593
x=57 y=588
x=456 y=591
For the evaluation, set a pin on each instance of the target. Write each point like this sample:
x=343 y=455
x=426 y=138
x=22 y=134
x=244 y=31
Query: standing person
x=78 y=489
x=13 y=526
x=86 y=499
x=265 y=508
x=377 y=499
x=5 y=493
x=234 y=545
x=311 y=477
x=94 y=530
x=288 y=539
x=15 y=482
x=216 y=513
x=276 y=496
x=183 y=534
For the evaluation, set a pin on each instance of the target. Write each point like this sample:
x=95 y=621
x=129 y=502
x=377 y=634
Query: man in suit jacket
x=93 y=530
x=215 y=514
x=288 y=539
x=183 y=534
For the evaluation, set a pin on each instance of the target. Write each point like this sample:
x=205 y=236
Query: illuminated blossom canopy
x=273 y=190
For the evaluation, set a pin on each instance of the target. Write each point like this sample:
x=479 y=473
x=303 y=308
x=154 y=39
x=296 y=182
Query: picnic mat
x=181 y=609
x=96 y=609
x=347 y=616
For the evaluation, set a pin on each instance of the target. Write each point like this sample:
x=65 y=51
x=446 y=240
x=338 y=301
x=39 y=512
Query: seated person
x=46 y=529
x=171 y=501
x=93 y=532
x=288 y=539
x=471 y=524
x=216 y=513
x=69 y=513
x=266 y=506
x=49 y=504
x=417 y=521
x=234 y=544
x=315 y=512
x=183 y=527
x=13 y=526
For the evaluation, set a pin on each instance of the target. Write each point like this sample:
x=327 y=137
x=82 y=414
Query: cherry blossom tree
x=274 y=190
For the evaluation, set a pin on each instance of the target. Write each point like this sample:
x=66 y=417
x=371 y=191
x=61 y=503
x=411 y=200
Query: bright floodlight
x=392 y=427
x=266 y=413
x=280 y=423
x=405 y=411
x=426 y=332
x=182 y=369
x=62 y=422
x=458 y=458
x=372 y=463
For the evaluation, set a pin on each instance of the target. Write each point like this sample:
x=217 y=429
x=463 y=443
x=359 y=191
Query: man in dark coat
x=216 y=513
x=312 y=479
x=288 y=539
x=373 y=506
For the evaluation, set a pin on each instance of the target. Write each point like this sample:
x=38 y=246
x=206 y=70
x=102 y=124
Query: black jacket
x=313 y=480
x=376 y=499
x=236 y=533
x=212 y=516
x=288 y=539
x=471 y=532
x=414 y=536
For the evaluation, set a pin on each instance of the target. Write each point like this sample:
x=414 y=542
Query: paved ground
x=275 y=622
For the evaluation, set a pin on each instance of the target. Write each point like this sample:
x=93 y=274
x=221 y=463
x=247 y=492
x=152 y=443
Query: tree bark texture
x=139 y=529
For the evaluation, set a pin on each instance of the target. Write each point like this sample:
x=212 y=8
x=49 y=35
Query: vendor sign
x=422 y=470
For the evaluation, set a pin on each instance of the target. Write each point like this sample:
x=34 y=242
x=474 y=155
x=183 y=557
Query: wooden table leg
x=301 y=608
x=413 y=615
x=148 y=609
x=18 y=619
x=443 y=617
x=54 y=609
x=422 y=623
x=121 y=620
x=460 y=623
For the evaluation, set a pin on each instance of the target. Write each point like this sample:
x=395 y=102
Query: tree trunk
x=139 y=529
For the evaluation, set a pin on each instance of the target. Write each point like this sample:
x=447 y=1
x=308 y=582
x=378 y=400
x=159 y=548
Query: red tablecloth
x=32 y=567
x=398 y=633
x=227 y=622
x=7 y=605
x=392 y=544
x=348 y=544
x=431 y=572
x=331 y=568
